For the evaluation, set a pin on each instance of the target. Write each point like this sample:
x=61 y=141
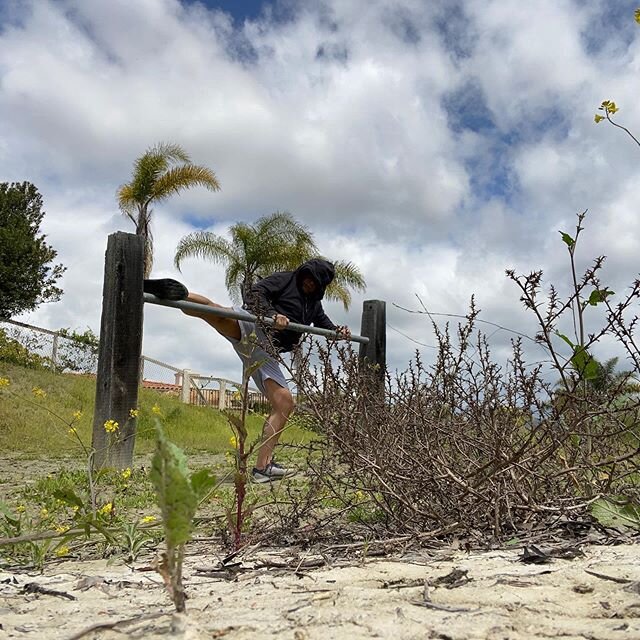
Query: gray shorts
x=250 y=350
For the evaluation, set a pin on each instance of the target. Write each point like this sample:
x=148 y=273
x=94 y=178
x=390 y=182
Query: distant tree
x=12 y=351
x=27 y=276
x=162 y=171
x=79 y=352
x=276 y=242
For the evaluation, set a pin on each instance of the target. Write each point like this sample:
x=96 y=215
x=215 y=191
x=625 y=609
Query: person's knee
x=283 y=402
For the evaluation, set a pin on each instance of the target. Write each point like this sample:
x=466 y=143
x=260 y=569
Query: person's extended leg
x=282 y=405
x=227 y=327
x=170 y=289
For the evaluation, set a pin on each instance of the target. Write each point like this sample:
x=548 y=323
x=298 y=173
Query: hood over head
x=321 y=271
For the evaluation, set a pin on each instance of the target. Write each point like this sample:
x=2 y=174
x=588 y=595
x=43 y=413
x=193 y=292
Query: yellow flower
x=106 y=509
x=62 y=551
x=636 y=15
x=233 y=441
x=62 y=528
x=44 y=513
x=147 y=519
x=77 y=415
x=72 y=431
x=38 y=392
x=126 y=474
x=21 y=508
x=156 y=409
x=110 y=426
x=612 y=108
x=4 y=382
x=598 y=118
x=133 y=413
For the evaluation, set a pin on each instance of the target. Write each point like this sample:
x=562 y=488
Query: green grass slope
x=38 y=408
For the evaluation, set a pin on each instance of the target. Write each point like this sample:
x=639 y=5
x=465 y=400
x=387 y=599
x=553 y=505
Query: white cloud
x=433 y=144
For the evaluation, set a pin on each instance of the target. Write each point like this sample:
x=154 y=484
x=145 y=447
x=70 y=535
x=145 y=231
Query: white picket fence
x=189 y=386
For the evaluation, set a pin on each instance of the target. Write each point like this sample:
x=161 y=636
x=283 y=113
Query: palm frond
x=338 y=293
x=182 y=177
x=282 y=242
x=147 y=169
x=282 y=226
x=170 y=151
x=233 y=281
x=204 y=244
x=126 y=201
x=349 y=275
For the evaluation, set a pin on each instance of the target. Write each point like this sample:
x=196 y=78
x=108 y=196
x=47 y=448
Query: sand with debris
x=427 y=594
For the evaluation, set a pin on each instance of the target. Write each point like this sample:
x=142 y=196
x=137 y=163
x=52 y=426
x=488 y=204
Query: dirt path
x=499 y=598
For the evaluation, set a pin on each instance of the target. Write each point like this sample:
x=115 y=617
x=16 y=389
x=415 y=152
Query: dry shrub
x=466 y=444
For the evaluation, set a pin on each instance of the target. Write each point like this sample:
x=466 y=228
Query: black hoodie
x=282 y=293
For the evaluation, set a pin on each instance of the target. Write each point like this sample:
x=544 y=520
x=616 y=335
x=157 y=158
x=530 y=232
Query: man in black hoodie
x=289 y=296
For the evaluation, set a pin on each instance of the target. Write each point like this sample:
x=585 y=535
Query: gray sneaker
x=278 y=470
x=271 y=472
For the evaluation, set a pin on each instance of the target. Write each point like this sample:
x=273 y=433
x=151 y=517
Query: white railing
x=191 y=387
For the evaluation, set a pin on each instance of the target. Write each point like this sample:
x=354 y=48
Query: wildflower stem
x=615 y=124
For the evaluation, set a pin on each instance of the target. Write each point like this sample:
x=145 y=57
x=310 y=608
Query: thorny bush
x=466 y=444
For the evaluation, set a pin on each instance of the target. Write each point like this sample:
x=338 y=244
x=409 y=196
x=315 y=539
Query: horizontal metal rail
x=241 y=315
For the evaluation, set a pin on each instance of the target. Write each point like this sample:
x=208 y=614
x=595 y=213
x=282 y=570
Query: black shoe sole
x=166 y=288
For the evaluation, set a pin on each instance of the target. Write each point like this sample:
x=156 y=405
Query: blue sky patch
x=240 y=10
x=467 y=109
x=611 y=26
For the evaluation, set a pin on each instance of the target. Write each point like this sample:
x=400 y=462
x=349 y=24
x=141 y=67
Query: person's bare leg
x=226 y=326
x=282 y=405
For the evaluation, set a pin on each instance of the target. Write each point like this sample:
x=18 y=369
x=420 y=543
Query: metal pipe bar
x=242 y=315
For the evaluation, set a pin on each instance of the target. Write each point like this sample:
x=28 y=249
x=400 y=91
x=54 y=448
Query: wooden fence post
x=54 y=351
x=119 y=352
x=374 y=327
x=185 y=392
x=222 y=395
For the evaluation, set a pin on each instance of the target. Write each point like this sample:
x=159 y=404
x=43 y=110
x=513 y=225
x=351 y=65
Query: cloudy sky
x=435 y=144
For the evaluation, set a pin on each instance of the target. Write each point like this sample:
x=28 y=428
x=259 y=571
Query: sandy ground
x=499 y=598
x=492 y=595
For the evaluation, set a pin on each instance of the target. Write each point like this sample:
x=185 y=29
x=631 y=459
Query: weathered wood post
x=119 y=352
x=373 y=355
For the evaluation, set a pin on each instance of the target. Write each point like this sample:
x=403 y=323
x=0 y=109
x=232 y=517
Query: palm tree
x=163 y=170
x=610 y=381
x=276 y=242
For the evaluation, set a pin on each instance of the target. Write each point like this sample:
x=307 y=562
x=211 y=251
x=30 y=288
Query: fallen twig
x=34 y=587
x=440 y=607
x=606 y=577
x=388 y=541
x=118 y=623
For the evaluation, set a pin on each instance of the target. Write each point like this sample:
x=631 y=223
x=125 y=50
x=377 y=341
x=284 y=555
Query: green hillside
x=37 y=410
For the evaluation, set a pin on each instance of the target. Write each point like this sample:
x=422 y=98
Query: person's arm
x=323 y=321
x=265 y=291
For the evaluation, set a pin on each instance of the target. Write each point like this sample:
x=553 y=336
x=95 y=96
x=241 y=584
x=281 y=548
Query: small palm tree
x=273 y=243
x=609 y=380
x=607 y=385
x=163 y=170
